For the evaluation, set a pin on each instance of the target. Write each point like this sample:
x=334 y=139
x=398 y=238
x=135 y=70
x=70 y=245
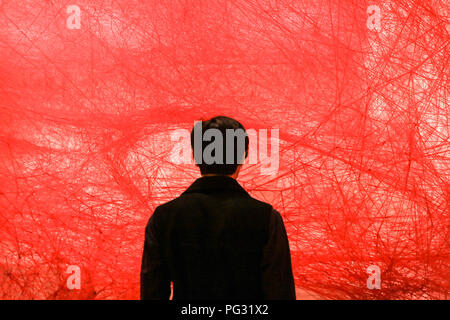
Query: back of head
x=220 y=144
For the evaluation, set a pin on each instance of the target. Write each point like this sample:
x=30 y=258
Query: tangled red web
x=87 y=112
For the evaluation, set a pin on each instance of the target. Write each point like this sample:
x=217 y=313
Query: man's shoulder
x=186 y=199
x=261 y=204
x=169 y=205
x=177 y=204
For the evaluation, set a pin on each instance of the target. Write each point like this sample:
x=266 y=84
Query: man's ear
x=236 y=173
x=193 y=159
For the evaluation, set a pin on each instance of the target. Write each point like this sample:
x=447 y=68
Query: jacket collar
x=216 y=183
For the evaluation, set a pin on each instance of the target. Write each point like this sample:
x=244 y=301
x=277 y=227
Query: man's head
x=220 y=145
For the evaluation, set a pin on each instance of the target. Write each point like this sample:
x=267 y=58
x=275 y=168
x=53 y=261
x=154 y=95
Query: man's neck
x=234 y=176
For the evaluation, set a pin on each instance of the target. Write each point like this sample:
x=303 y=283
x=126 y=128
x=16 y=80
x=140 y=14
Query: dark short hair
x=227 y=165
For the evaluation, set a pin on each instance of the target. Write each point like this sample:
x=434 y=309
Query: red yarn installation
x=362 y=108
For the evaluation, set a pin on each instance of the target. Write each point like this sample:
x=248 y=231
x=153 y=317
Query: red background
x=86 y=116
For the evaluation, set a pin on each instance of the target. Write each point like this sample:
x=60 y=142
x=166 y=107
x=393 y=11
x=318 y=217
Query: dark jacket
x=216 y=242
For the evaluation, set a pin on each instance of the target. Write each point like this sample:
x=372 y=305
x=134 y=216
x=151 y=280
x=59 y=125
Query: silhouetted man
x=215 y=241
